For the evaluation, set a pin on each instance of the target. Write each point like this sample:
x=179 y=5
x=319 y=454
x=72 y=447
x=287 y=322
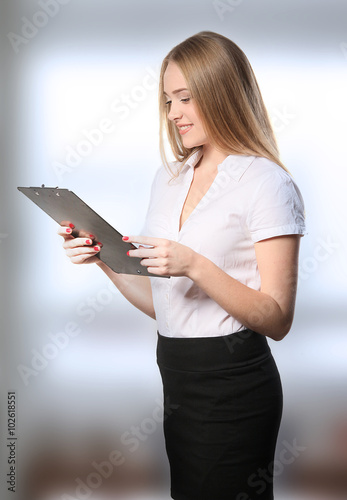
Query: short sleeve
x=277 y=207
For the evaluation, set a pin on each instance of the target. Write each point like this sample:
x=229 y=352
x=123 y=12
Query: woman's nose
x=174 y=112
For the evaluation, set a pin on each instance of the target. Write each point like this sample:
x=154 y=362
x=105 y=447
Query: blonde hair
x=227 y=97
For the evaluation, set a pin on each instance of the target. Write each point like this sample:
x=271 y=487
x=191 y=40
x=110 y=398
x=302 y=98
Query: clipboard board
x=64 y=205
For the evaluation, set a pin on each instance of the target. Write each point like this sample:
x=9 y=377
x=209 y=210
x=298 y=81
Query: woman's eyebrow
x=175 y=91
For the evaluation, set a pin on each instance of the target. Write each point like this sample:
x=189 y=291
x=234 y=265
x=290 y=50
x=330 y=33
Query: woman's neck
x=211 y=157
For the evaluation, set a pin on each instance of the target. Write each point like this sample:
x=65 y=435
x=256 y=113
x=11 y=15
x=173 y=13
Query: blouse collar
x=234 y=165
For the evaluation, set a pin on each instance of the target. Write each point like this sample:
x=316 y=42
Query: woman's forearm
x=136 y=289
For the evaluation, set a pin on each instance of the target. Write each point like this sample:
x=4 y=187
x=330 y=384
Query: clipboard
x=64 y=205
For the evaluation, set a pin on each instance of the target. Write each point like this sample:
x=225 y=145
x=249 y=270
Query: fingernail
x=100 y=244
x=91 y=236
x=72 y=226
x=96 y=249
x=128 y=253
x=68 y=230
x=125 y=238
x=88 y=242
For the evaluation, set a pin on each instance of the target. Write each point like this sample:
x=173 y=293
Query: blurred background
x=79 y=110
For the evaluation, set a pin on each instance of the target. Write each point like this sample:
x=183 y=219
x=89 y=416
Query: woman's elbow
x=282 y=330
x=278 y=336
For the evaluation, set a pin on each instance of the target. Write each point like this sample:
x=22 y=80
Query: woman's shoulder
x=267 y=182
x=263 y=168
x=266 y=174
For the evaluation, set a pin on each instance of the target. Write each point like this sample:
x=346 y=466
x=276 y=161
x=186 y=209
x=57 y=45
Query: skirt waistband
x=212 y=353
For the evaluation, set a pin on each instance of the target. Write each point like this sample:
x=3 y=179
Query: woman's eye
x=186 y=99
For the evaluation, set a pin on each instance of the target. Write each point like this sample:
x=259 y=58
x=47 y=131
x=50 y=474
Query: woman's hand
x=81 y=249
x=161 y=256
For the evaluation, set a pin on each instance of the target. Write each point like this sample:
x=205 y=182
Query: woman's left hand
x=161 y=256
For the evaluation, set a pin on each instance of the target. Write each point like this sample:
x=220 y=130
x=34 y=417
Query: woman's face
x=181 y=108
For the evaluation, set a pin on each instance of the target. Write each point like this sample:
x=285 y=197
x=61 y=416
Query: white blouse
x=250 y=199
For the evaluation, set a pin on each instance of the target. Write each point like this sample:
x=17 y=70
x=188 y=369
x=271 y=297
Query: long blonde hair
x=227 y=97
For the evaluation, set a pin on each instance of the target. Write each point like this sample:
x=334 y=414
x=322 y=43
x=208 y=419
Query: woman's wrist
x=101 y=264
x=195 y=266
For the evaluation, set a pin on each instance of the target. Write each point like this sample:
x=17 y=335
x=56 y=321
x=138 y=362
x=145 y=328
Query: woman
x=224 y=222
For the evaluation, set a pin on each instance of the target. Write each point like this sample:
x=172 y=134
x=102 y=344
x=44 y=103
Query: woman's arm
x=81 y=250
x=269 y=311
x=136 y=289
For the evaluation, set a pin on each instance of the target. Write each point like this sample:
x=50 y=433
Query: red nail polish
x=72 y=226
x=96 y=249
x=128 y=252
x=91 y=236
x=125 y=238
x=88 y=242
x=68 y=230
x=100 y=244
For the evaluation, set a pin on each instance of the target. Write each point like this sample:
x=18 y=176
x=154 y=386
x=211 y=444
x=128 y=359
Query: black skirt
x=222 y=407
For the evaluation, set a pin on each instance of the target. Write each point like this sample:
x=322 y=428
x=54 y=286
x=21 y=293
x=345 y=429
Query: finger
x=157 y=270
x=67 y=228
x=81 y=253
x=143 y=252
x=65 y=231
x=83 y=258
x=156 y=266
x=77 y=242
x=86 y=234
x=67 y=223
x=155 y=262
x=144 y=240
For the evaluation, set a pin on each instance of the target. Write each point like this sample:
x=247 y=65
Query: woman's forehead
x=173 y=79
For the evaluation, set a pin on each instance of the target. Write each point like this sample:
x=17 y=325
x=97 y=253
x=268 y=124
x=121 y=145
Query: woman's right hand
x=81 y=249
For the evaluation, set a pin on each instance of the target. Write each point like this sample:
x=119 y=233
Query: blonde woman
x=224 y=222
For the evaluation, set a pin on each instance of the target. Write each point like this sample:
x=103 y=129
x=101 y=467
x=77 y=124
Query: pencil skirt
x=222 y=412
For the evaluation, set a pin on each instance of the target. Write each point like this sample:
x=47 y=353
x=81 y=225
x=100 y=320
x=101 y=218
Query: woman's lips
x=183 y=129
